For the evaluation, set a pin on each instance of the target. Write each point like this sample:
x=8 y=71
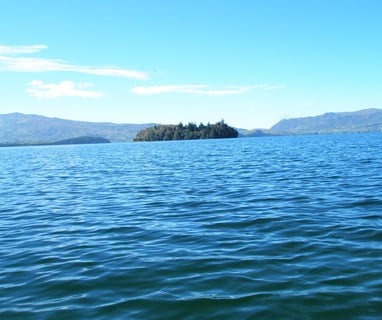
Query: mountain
x=17 y=128
x=368 y=120
x=245 y=133
x=23 y=128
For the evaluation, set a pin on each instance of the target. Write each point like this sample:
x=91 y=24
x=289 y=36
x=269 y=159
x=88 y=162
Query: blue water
x=262 y=228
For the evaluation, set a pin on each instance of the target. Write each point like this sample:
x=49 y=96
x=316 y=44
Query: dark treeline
x=187 y=132
x=77 y=140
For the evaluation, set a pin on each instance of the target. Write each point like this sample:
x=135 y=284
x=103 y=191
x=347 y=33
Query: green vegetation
x=81 y=140
x=78 y=140
x=187 y=132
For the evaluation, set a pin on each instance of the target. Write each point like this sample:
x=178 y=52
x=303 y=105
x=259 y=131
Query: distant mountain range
x=16 y=128
x=24 y=128
x=368 y=120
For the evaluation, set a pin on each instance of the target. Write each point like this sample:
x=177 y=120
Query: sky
x=249 y=62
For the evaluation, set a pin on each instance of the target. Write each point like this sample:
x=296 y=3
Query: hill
x=368 y=120
x=17 y=128
x=245 y=133
x=81 y=140
x=22 y=128
x=78 y=140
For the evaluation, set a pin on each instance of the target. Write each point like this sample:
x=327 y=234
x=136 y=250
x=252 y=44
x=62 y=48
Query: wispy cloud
x=167 y=89
x=39 y=89
x=8 y=62
x=264 y=87
x=201 y=89
x=11 y=50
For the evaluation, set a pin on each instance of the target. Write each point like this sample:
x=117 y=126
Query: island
x=77 y=140
x=191 y=131
x=81 y=140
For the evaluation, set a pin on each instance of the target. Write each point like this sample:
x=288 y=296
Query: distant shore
x=77 y=140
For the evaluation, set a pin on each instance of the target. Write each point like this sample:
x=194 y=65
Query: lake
x=257 y=228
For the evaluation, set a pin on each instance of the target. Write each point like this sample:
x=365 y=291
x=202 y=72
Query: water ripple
x=269 y=228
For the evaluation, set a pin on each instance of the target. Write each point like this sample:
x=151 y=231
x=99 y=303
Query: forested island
x=190 y=131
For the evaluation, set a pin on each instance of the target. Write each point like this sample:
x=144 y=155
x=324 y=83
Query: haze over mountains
x=22 y=128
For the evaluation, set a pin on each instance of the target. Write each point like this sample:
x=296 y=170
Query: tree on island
x=191 y=131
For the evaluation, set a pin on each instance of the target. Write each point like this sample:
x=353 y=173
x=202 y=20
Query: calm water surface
x=263 y=228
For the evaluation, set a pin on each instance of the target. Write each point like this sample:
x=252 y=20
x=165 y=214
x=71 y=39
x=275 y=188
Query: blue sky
x=249 y=62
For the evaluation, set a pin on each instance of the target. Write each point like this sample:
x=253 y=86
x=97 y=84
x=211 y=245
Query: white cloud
x=201 y=89
x=265 y=87
x=9 y=50
x=167 y=89
x=40 y=89
x=23 y=64
x=109 y=72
